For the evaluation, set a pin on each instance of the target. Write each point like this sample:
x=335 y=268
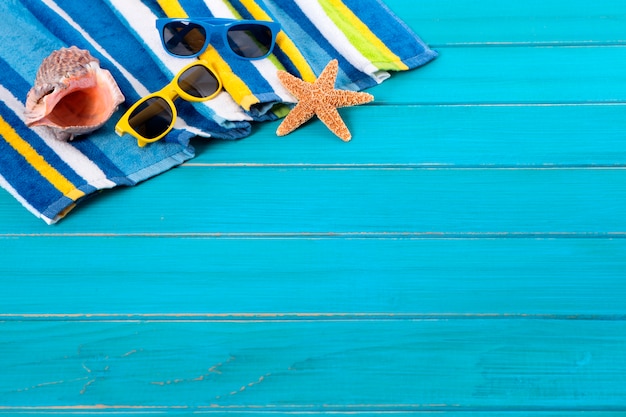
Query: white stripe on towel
x=144 y=27
x=7 y=186
x=264 y=66
x=316 y=14
x=139 y=88
x=76 y=160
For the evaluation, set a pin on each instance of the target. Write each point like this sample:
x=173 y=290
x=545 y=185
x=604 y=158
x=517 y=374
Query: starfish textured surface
x=319 y=98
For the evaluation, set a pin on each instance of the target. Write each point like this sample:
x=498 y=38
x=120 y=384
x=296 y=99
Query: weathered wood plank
x=326 y=201
x=369 y=279
x=497 y=365
x=103 y=410
x=601 y=65
x=526 y=22
x=94 y=278
x=484 y=74
x=424 y=135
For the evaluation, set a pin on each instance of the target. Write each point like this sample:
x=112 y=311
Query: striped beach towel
x=50 y=177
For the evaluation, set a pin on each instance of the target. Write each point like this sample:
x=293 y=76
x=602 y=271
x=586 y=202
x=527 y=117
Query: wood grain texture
x=371 y=200
x=533 y=22
x=464 y=255
x=515 y=75
x=423 y=365
x=437 y=136
x=123 y=411
x=344 y=277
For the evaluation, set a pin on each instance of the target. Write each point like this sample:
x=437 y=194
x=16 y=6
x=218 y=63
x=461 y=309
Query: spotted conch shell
x=72 y=95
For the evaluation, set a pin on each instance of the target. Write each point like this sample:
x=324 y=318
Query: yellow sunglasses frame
x=169 y=93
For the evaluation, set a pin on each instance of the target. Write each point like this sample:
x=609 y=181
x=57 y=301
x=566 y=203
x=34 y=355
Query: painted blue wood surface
x=302 y=364
x=464 y=255
x=351 y=276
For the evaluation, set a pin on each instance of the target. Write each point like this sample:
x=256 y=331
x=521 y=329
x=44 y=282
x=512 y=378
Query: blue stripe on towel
x=25 y=179
x=108 y=33
x=314 y=46
x=128 y=53
x=244 y=69
x=94 y=153
x=390 y=29
x=198 y=115
x=70 y=36
x=127 y=164
x=49 y=177
x=13 y=82
x=14 y=32
x=42 y=149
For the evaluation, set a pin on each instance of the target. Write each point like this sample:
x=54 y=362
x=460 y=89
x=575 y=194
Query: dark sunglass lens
x=151 y=118
x=198 y=81
x=183 y=38
x=250 y=40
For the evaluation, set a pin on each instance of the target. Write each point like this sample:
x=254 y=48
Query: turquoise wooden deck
x=464 y=255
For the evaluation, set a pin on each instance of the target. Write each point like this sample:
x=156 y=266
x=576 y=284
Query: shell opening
x=85 y=107
x=72 y=102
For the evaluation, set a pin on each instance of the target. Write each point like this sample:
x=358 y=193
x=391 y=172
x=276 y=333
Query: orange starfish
x=319 y=98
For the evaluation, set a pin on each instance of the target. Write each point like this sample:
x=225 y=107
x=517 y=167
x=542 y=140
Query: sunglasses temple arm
x=119 y=131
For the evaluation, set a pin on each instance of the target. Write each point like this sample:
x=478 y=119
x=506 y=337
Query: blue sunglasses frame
x=219 y=26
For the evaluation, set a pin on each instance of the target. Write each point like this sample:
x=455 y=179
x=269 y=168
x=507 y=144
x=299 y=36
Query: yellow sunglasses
x=152 y=117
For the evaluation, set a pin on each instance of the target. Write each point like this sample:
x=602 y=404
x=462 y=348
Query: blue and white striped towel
x=49 y=177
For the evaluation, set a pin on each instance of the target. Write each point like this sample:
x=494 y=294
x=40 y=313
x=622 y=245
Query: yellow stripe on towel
x=284 y=42
x=239 y=91
x=38 y=162
x=232 y=9
x=235 y=86
x=361 y=37
x=172 y=8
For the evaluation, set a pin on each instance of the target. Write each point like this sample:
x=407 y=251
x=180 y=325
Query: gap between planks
x=298 y=317
x=538 y=44
x=336 y=235
x=327 y=409
x=410 y=167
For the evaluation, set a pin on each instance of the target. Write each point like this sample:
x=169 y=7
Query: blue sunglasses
x=245 y=39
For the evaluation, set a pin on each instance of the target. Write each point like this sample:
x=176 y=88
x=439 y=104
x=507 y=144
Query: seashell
x=72 y=95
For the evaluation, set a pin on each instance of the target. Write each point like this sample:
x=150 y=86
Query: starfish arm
x=319 y=98
x=294 y=85
x=296 y=117
x=345 y=98
x=328 y=77
x=331 y=118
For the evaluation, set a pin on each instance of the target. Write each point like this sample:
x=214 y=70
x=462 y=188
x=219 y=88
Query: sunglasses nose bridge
x=170 y=91
x=214 y=35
